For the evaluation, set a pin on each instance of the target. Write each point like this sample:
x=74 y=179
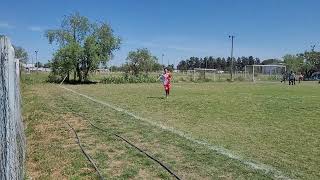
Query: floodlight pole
x=231 y=68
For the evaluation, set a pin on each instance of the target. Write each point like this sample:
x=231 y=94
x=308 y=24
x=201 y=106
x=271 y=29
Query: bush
x=128 y=79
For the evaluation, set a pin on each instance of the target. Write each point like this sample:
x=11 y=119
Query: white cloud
x=5 y=25
x=35 y=28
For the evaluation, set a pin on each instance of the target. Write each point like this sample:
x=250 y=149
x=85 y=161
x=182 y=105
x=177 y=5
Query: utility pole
x=231 y=68
x=37 y=59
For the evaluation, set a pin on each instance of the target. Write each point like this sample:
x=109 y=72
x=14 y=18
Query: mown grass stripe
x=266 y=169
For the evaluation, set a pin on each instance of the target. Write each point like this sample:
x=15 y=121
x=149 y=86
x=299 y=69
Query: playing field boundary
x=254 y=165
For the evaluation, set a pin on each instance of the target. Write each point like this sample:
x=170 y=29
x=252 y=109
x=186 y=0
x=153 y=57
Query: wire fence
x=12 y=138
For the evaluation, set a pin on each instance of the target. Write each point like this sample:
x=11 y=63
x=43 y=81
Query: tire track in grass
x=266 y=169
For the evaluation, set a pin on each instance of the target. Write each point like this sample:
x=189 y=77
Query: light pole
x=36 y=58
x=231 y=68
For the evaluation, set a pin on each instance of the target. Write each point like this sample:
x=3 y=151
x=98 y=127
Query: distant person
x=300 y=78
x=166 y=80
x=284 y=77
x=292 y=78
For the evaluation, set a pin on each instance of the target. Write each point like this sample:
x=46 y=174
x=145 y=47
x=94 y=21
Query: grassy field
x=265 y=123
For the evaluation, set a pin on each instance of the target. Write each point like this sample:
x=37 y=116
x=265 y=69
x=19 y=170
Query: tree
x=293 y=62
x=82 y=46
x=65 y=59
x=311 y=62
x=271 y=61
x=21 y=54
x=182 y=66
x=251 y=60
x=170 y=67
x=47 y=65
x=140 y=60
x=38 y=65
x=218 y=63
x=157 y=66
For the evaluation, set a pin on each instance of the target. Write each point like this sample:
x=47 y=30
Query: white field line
x=266 y=169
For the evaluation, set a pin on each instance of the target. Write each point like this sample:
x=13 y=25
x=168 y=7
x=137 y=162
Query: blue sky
x=177 y=28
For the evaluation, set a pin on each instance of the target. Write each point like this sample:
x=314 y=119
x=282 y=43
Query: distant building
x=31 y=67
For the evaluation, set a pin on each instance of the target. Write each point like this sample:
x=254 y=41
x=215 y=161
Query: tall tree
x=140 y=60
x=183 y=66
x=311 y=62
x=271 y=61
x=83 y=44
x=293 y=62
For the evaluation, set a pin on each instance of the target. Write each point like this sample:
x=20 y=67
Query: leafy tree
x=38 y=65
x=293 y=62
x=251 y=60
x=157 y=67
x=217 y=63
x=170 y=67
x=182 y=65
x=140 y=60
x=313 y=58
x=311 y=62
x=271 y=61
x=47 y=65
x=83 y=46
x=65 y=59
x=21 y=54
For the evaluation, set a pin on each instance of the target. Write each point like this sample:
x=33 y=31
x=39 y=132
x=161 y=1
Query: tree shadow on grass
x=72 y=82
x=154 y=97
x=77 y=82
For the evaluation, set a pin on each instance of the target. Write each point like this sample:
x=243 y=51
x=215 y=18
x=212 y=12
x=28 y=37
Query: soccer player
x=300 y=77
x=166 y=80
x=292 y=78
x=284 y=77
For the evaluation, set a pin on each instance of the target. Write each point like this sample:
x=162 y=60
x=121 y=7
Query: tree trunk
x=74 y=75
x=86 y=71
x=68 y=77
x=79 y=73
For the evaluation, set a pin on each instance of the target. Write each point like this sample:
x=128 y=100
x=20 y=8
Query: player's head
x=165 y=70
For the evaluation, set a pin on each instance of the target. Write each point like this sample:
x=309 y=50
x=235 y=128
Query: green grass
x=272 y=123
